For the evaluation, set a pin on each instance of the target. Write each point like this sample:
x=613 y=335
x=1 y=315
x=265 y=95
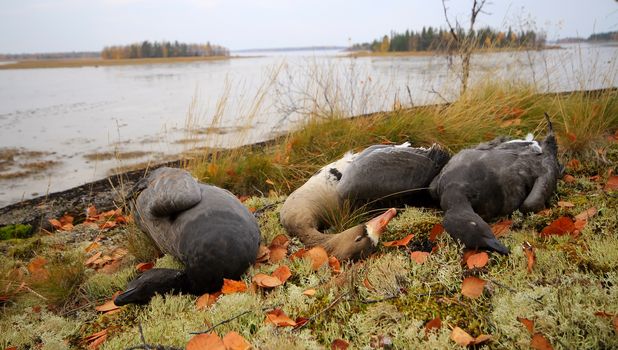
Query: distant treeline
x=439 y=39
x=49 y=55
x=149 y=49
x=607 y=36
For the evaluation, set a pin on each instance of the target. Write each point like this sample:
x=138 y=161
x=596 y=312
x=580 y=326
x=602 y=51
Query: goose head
x=154 y=281
x=361 y=240
x=471 y=230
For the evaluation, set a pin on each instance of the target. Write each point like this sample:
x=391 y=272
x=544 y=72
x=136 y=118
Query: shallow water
x=54 y=122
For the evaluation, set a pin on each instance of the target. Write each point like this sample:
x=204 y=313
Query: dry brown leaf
x=279 y=318
x=573 y=164
x=318 y=257
x=334 y=264
x=205 y=300
x=310 y=292
x=568 y=178
x=263 y=254
x=434 y=324
x=206 y=341
x=477 y=260
x=539 y=342
x=339 y=344
x=561 y=226
x=108 y=305
x=461 y=337
x=277 y=253
x=564 y=204
x=615 y=322
x=368 y=284
x=436 y=230
x=37 y=269
x=235 y=341
x=280 y=240
x=529 y=324
x=92 y=246
x=110 y=268
x=501 y=228
x=282 y=273
x=400 y=242
x=473 y=287
x=144 y=266
x=419 y=257
x=231 y=286
x=530 y=255
x=91 y=211
x=266 y=281
x=96 y=339
x=611 y=184
x=586 y=214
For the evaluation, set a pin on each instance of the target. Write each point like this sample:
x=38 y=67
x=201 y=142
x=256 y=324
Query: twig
x=323 y=310
x=231 y=319
x=373 y=301
x=141 y=336
x=512 y=290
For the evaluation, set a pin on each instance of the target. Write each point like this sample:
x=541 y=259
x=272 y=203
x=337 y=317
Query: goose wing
x=169 y=192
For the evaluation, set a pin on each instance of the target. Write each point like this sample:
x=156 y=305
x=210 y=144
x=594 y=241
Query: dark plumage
x=204 y=226
x=391 y=173
x=495 y=179
x=379 y=172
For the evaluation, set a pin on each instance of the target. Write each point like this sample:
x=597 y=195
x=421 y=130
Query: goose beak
x=376 y=226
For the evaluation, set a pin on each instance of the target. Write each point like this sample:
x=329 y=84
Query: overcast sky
x=88 y=25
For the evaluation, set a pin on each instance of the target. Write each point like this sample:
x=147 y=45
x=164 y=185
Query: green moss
x=15 y=231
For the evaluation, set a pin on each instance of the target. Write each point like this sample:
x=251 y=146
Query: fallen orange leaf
x=339 y=344
x=568 y=178
x=334 y=264
x=611 y=184
x=309 y=292
x=231 y=286
x=473 y=287
x=91 y=211
x=434 y=324
x=436 y=230
x=462 y=338
x=37 y=269
x=368 y=284
x=318 y=257
x=500 y=228
x=615 y=322
x=573 y=164
x=144 y=266
x=92 y=246
x=96 y=339
x=279 y=318
x=565 y=204
x=529 y=324
x=108 y=305
x=586 y=214
x=282 y=273
x=280 y=240
x=419 y=257
x=530 y=255
x=235 y=341
x=263 y=254
x=477 y=260
x=205 y=300
x=400 y=242
x=561 y=226
x=266 y=281
x=539 y=342
x=277 y=253
x=206 y=341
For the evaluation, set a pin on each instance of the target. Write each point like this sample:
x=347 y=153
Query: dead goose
x=205 y=227
x=377 y=172
x=495 y=179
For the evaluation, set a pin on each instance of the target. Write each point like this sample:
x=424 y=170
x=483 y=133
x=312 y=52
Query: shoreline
x=358 y=54
x=96 y=62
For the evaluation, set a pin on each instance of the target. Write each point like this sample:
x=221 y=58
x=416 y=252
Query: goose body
x=378 y=172
x=495 y=179
x=205 y=227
